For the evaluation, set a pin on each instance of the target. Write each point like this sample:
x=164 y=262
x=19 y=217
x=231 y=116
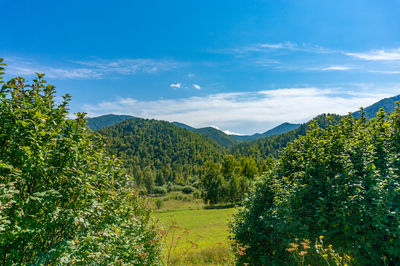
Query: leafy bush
x=342 y=183
x=188 y=189
x=197 y=194
x=177 y=195
x=175 y=188
x=159 y=203
x=160 y=190
x=62 y=200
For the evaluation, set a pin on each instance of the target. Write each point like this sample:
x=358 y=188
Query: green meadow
x=195 y=235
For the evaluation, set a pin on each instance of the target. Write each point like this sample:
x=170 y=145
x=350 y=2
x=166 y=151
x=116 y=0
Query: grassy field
x=195 y=235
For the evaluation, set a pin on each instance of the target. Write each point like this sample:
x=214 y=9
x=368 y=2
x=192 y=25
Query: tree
x=341 y=182
x=62 y=200
x=212 y=183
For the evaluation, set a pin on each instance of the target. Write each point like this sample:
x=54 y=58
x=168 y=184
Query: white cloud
x=379 y=55
x=176 y=85
x=336 y=68
x=228 y=132
x=94 y=69
x=384 y=71
x=247 y=112
x=270 y=47
x=286 y=45
x=129 y=66
x=197 y=87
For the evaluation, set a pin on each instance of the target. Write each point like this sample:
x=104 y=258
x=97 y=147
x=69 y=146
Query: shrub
x=160 y=190
x=197 y=194
x=177 y=195
x=188 y=189
x=175 y=188
x=342 y=183
x=159 y=203
x=62 y=200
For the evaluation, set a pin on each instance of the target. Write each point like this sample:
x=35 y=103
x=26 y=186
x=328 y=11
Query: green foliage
x=62 y=200
x=341 y=182
x=229 y=181
x=160 y=151
x=160 y=190
x=188 y=189
x=270 y=146
x=159 y=203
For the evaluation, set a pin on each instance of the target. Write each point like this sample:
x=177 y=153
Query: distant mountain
x=282 y=128
x=262 y=148
x=103 y=121
x=387 y=104
x=213 y=133
x=217 y=135
x=182 y=125
x=227 y=140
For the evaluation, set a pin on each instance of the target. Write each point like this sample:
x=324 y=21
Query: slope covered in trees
x=334 y=189
x=388 y=104
x=270 y=146
x=227 y=140
x=156 y=152
x=217 y=135
x=280 y=129
x=63 y=201
x=96 y=123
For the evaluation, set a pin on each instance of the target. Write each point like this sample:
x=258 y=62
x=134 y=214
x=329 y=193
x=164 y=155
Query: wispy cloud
x=336 y=68
x=378 y=55
x=385 y=71
x=286 y=45
x=93 y=69
x=246 y=112
x=129 y=66
x=176 y=85
x=282 y=46
x=196 y=86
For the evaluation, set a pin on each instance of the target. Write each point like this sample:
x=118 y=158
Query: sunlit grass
x=189 y=222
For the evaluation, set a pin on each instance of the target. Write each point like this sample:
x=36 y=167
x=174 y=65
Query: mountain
x=227 y=140
x=160 y=151
x=182 y=125
x=213 y=133
x=103 y=121
x=388 y=104
x=262 y=148
x=282 y=128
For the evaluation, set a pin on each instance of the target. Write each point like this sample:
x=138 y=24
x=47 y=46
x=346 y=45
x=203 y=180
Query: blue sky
x=241 y=66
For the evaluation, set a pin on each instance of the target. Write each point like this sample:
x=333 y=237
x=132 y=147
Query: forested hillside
x=160 y=154
x=156 y=152
x=269 y=146
x=96 y=123
x=280 y=129
x=388 y=104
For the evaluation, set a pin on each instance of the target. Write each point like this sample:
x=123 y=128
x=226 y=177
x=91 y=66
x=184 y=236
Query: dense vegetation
x=340 y=185
x=213 y=133
x=62 y=200
x=158 y=152
x=263 y=148
x=161 y=156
